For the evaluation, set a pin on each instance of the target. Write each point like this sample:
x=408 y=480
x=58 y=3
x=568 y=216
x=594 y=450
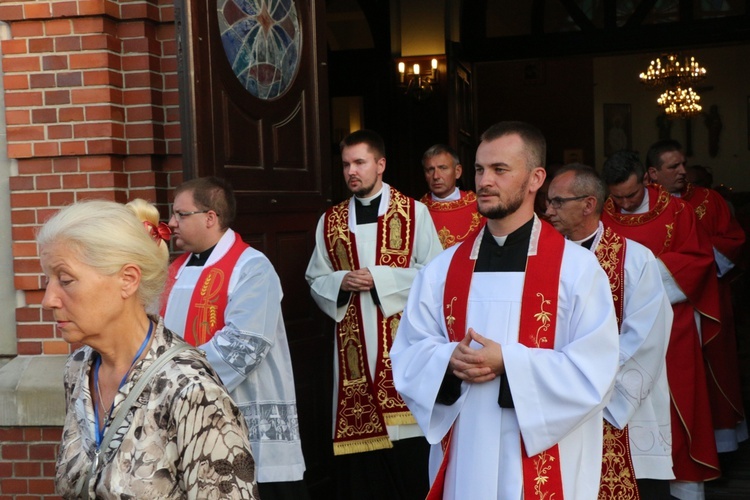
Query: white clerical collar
x=500 y=239
x=578 y=242
x=642 y=208
x=455 y=195
x=366 y=201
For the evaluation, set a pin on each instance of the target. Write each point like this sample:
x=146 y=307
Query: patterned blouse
x=183 y=438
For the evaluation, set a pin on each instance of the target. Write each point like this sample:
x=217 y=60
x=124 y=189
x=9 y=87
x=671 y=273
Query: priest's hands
x=358 y=281
x=477 y=365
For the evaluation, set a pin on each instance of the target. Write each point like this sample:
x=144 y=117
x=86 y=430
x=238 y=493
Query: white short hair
x=107 y=236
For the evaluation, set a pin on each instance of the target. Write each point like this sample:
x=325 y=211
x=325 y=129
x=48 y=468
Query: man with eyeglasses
x=637 y=418
x=668 y=227
x=225 y=298
x=667 y=166
x=507 y=350
x=453 y=211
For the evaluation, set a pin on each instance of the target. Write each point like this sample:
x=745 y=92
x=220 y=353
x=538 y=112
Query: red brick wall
x=27 y=462
x=92 y=111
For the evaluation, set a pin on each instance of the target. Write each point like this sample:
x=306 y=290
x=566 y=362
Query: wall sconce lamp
x=413 y=82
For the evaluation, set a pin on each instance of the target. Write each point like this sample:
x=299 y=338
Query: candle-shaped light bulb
x=415 y=68
x=401 y=71
x=433 y=63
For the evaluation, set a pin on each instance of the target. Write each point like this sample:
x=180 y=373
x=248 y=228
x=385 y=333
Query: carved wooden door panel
x=255 y=111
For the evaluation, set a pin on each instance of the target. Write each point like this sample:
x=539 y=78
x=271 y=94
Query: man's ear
x=589 y=205
x=650 y=175
x=381 y=165
x=537 y=179
x=211 y=219
x=130 y=279
x=459 y=171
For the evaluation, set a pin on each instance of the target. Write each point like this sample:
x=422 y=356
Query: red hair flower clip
x=162 y=231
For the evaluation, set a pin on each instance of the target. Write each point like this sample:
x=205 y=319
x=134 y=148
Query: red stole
x=210 y=295
x=365 y=406
x=542 y=477
x=454 y=220
x=618 y=473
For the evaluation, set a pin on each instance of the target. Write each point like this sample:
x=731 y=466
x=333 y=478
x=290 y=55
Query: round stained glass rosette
x=262 y=41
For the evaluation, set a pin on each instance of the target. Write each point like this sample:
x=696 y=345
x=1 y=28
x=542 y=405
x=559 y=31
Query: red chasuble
x=542 y=477
x=454 y=220
x=618 y=473
x=365 y=406
x=670 y=230
x=210 y=295
x=720 y=355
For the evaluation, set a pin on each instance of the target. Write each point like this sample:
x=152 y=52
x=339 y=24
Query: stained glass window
x=262 y=41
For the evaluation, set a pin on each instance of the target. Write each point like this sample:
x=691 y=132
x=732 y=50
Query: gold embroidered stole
x=542 y=476
x=210 y=295
x=618 y=474
x=365 y=406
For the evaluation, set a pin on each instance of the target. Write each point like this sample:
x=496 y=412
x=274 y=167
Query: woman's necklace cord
x=97 y=364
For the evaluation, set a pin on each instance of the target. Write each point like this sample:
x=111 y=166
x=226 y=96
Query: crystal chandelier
x=675 y=75
x=680 y=103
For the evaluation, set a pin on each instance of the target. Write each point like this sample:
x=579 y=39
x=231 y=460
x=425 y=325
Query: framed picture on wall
x=618 y=133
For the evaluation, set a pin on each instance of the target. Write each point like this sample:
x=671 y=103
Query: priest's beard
x=502 y=210
x=364 y=191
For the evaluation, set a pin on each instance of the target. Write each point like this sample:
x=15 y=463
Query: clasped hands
x=477 y=365
x=358 y=281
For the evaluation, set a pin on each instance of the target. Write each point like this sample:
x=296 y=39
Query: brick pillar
x=92 y=111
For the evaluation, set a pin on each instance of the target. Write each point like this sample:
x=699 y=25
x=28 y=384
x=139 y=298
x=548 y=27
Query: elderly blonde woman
x=146 y=415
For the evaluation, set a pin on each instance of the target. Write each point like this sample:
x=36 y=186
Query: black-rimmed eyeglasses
x=558 y=202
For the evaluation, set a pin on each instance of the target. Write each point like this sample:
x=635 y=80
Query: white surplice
x=559 y=393
x=640 y=398
x=392 y=284
x=251 y=355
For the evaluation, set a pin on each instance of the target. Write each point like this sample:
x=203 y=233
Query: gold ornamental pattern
x=611 y=255
x=662 y=201
x=618 y=475
x=205 y=321
x=448 y=206
x=396 y=236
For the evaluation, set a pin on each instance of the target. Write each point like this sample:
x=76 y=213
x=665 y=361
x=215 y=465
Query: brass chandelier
x=680 y=103
x=675 y=75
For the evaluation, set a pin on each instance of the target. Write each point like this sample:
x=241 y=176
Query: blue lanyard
x=97 y=364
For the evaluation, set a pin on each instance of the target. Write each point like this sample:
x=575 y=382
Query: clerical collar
x=642 y=208
x=587 y=241
x=507 y=255
x=370 y=199
x=366 y=209
x=455 y=195
x=199 y=259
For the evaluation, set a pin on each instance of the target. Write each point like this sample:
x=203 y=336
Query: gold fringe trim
x=401 y=418
x=362 y=445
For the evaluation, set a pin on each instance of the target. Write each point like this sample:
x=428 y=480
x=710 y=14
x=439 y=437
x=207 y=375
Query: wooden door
x=255 y=111
x=461 y=119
